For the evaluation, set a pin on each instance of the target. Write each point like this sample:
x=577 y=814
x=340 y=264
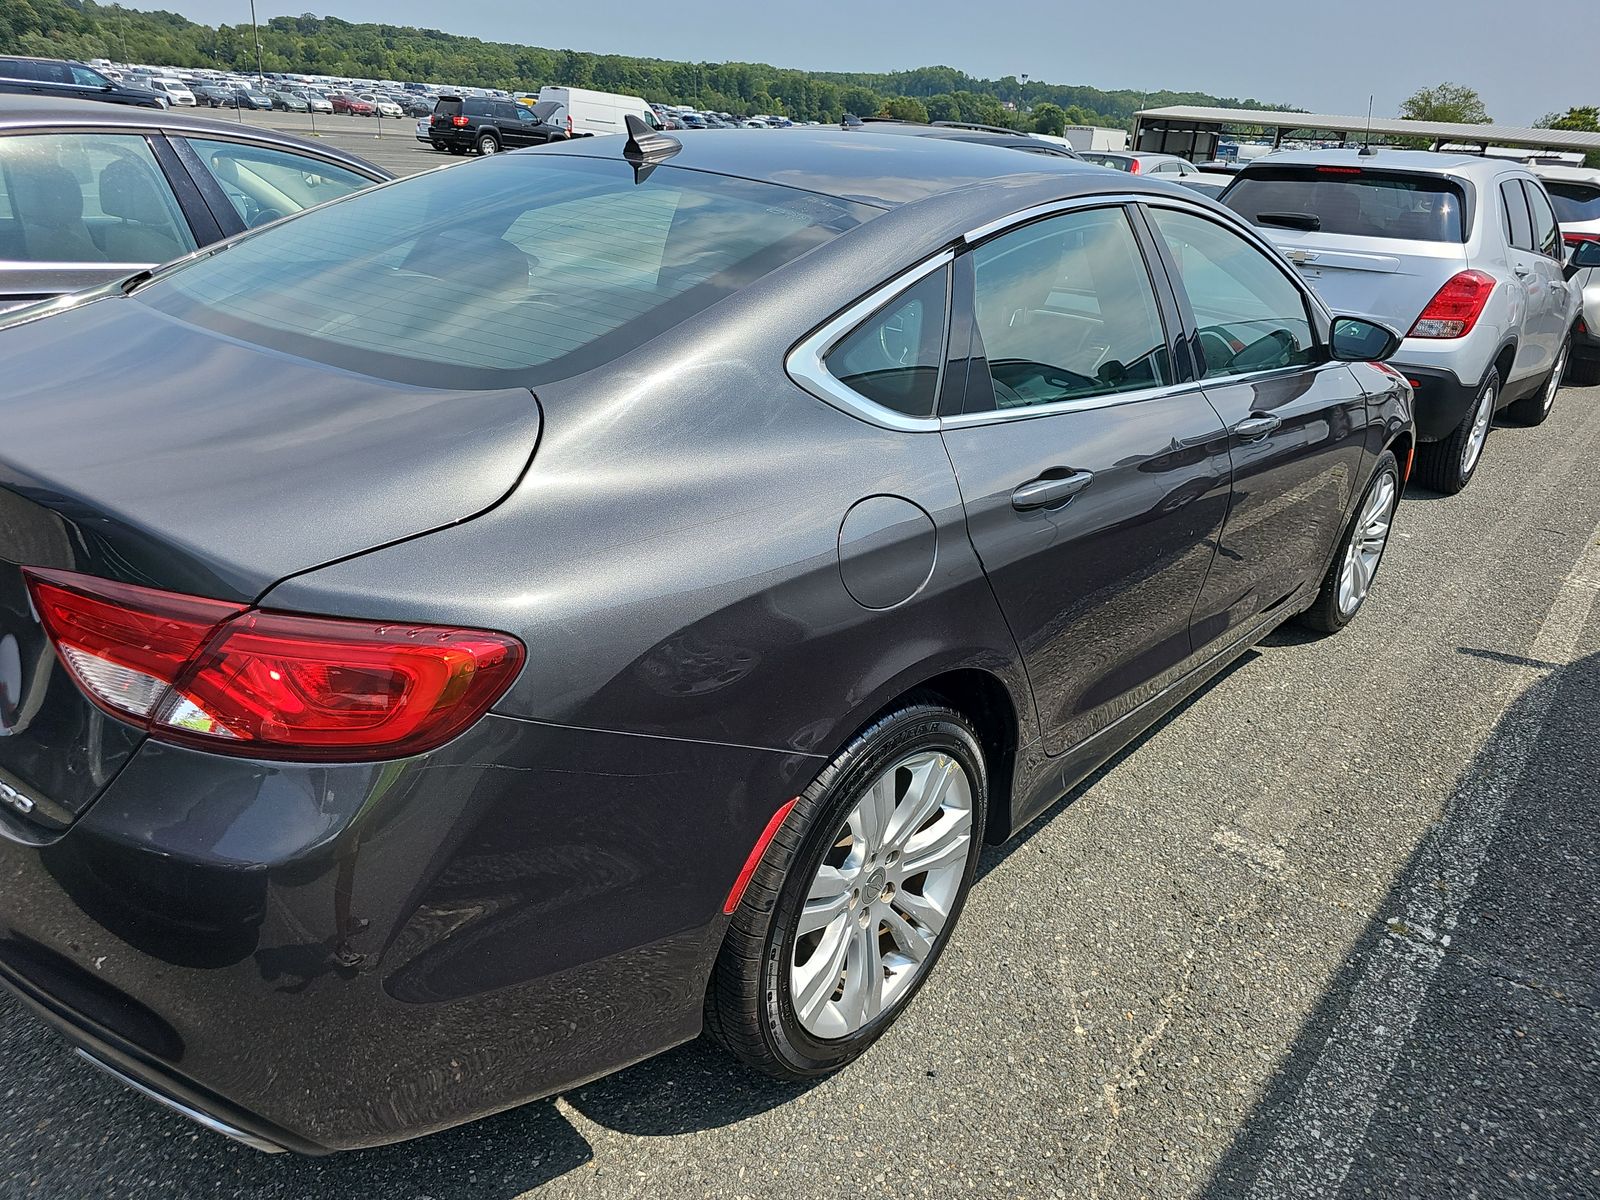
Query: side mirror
x=1584 y=255
x=1356 y=339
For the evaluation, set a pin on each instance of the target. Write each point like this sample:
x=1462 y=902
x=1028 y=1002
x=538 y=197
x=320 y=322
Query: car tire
x=1355 y=563
x=1533 y=409
x=1448 y=466
x=488 y=144
x=751 y=1001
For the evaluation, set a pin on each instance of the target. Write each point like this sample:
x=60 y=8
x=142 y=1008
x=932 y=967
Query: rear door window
x=501 y=275
x=1351 y=201
x=1066 y=311
x=1546 y=233
x=89 y=197
x=1514 y=206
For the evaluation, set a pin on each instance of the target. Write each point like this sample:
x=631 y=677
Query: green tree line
x=83 y=29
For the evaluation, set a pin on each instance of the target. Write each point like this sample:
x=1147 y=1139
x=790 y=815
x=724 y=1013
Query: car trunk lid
x=184 y=460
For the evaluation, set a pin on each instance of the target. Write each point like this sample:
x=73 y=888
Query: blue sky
x=1324 y=57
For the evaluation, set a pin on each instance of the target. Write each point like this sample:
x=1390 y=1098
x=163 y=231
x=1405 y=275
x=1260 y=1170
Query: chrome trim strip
x=805 y=365
x=17 y=264
x=194 y=1114
x=1079 y=404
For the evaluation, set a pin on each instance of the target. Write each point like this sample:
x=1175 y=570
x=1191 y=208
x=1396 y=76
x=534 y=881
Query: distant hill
x=328 y=46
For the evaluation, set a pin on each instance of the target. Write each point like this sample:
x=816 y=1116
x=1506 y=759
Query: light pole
x=1022 y=101
x=255 y=32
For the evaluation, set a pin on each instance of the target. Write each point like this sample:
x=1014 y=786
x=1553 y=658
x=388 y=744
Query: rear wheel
x=488 y=144
x=1532 y=410
x=1349 y=578
x=1447 y=466
x=855 y=898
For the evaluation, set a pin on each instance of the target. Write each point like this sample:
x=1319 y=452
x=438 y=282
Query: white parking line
x=1327 y=1122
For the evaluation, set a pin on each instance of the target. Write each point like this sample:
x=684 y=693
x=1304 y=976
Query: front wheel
x=855 y=897
x=1349 y=578
x=1447 y=466
x=1532 y=410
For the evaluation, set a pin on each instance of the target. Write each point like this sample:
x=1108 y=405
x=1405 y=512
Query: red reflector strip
x=736 y=893
x=1405 y=466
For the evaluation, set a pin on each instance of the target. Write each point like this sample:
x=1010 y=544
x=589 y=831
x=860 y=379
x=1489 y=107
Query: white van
x=174 y=90
x=596 y=113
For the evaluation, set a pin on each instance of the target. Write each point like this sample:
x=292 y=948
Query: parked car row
x=325 y=677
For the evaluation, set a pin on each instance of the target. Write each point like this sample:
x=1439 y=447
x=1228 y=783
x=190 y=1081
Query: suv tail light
x=1455 y=308
x=238 y=680
x=459 y=122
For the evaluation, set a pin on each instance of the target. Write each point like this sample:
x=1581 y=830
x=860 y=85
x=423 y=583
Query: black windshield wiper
x=1309 y=222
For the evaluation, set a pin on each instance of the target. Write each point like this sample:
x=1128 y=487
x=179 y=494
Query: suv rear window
x=1574 y=201
x=521 y=270
x=447 y=107
x=1351 y=201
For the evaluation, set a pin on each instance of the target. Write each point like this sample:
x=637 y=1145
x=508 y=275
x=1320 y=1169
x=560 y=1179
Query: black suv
x=489 y=126
x=70 y=80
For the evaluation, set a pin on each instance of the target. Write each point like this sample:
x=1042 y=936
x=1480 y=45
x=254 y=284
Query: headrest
x=45 y=193
x=127 y=191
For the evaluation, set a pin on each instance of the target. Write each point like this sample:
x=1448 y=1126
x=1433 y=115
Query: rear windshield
x=518 y=270
x=1574 y=202
x=448 y=107
x=1351 y=201
x=1108 y=160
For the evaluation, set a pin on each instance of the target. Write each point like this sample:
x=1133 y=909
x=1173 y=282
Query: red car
x=349 y=104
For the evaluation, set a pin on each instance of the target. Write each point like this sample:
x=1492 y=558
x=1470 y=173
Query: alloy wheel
x=1554 y=384
x=882 y=896
x=1367 y=540
x=1482 y=418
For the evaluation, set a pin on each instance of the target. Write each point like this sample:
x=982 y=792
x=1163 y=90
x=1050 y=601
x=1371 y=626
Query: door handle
x=1042 y=493
x=1521 y=271
x=1254 y=428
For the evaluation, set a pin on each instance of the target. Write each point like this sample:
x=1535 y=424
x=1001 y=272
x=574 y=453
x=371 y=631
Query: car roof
x=35 y=112
x=883 y=171
x=1386 y=158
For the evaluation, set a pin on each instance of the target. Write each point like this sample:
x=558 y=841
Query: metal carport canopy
x=1212 y=120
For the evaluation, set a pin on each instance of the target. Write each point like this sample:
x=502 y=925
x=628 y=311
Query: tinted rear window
x=447 y=108
x=515 y=271
x=1352 y=201
x=1109 y=160
x=1574 y=201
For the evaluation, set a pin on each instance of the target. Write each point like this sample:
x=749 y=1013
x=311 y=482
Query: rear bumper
x=334 y=957
x=1442 y=400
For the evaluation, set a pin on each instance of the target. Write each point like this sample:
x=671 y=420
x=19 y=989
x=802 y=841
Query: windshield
x=519 y=270
x=1351 y=201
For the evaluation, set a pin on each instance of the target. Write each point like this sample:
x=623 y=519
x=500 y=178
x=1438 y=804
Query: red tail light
x=1455 y=308
x=268 y=684
x=1133 y=166
x=459 y=122
x=1577 y=239
x=569 y=123
x=1338 y=170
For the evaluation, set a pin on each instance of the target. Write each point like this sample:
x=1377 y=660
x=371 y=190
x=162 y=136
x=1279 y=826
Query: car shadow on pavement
x=1457 y=1051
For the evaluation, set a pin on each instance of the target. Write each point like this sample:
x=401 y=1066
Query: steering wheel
x=1217 y=347
x=264 y=215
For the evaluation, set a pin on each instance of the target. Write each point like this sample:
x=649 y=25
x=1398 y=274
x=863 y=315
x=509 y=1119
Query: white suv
x=1463 y=253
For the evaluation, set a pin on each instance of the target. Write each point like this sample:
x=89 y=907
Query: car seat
x=143 y=235
x=48 y=204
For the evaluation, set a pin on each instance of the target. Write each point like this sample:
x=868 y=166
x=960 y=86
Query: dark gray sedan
x=479 y=633
x=95 y=192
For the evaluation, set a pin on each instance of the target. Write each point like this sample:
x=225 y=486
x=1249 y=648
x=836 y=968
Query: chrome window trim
x=24 y=264
x=806 y=366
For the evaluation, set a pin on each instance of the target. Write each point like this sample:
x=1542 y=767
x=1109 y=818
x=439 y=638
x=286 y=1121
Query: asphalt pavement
x=1328 y=930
